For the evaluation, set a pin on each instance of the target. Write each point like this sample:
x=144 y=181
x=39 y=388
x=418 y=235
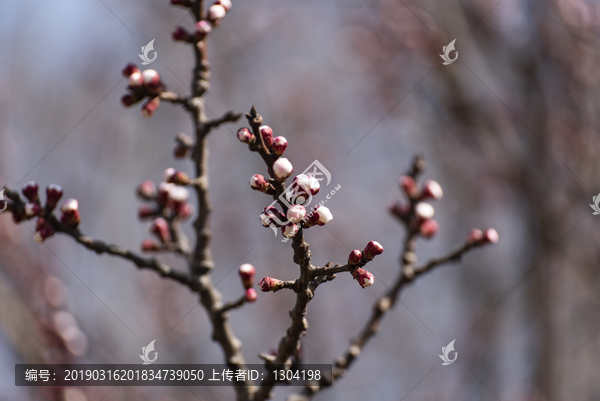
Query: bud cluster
x=214 y=16
x=477 y=237
x=141 y=85
x=247 y=273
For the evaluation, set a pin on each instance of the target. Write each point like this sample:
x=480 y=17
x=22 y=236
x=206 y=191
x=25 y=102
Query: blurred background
x=510 y=130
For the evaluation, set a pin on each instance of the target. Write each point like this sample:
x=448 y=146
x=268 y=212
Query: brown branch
x=232 y=305
x=230 y=116
x=172 y=97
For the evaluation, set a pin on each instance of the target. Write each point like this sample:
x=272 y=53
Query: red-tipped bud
x=177 y=197
x=176 y=177
x=247 y=273
x=163 y=192
x=244 y=135
x=53 y=195
x=131 y=98
x=272 y=217
x=43 y=230
x=364 y=278
x=307 y=183
x=146 y=212
x=282 y=169
x=354 y=257
x=181 y=151
x=289 y=230
x=149 y=245
x=296 y=213
x=279 y=145
x=30 y=191
x=432 y=189
x=146 y=190
x=185 y=211
x=225 y=3
x=260 y=183
x=267 y=134
x=399 y=210
x=203 y=28
x=152 y=80
x=424 y=211
x=408 y=184
x=429 y=228
x=251 y=295
x=490 y=236
x=136 y=80
x=160 y=228
x=33 y=209
x=129 y=69
x=181 y=34
x=474 y=236
x=150 y=107
x=320 y=216
x=270 y=284
x=70 y=213
x=215 y=13
x=372 y=249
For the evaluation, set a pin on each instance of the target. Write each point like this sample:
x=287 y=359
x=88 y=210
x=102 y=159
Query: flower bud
x=180 y=151
x=424 y=211
x=136 y=80
x=474 y=236
x=131 y=98
x=146 y=211
x=271 y=216
x=251 y=295
x=171 y=175
x=244 y=135
x=70 y=213
x=160 y=228
x=279 y=145
x=289 y=230
x=372 y=249
x=53 y=195
x=408 y=184
x=163 y=192
x=259 y=183
x=152 y=80
x=399 y=210
x=267 y=134
x=364 y=278
x=270 y=284
x=177 y=197
x=203 y=28
x=354 y=257
x=308 y=183
x=43 y=230
x=150 y=107
x=30 y=191
x=319 y=216
x=180 y=34
x=149 y=245
x=490 y=236
x=129 y=69
x=247 y=273
x=225 y=3
x=282 y=169
x=33 y=209
x=185 y=211
x=429 y=228
x=432 y=189
x=146 y=190
x=296 y=213
x=216 y=13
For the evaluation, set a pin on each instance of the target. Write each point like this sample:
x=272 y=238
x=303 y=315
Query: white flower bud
x=282 y=169
x=424 y=211
x=296 y=213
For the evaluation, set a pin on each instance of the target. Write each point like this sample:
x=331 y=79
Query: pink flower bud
x=70 y=213
x=160 y=228
x=319 y=216
x=424 y=211
x=53 y=195
x=432 y=189
x=408 y=184
x=271 y=216
x=146 y=211
x=152 y=80
x=490 y=236
x=163 y=192
x=429 y=228
x=43 y=230
x=136 y=80
x=474 y=236
x=279 y=145
x=177 y=197
x=244 y=135
x=131 y=98
x=130 y=69
x=372 y=249
x=364 y=278
x=171 y=175
x=30 y=191
x=33 y=209
x=216 y=13
x=149 y=245
x=270 y=284
x=225 y=3
x=203 y=28
x=282 y=169
x=181 y=151
x=180 y=34
x=267 y=134
x=259 y=183
x=296 y=213
x=146 y=190
x=251 y=295
x=398 y=210
x=289 y=230
x=150 y=107
x=69 y=205
x=354 y=257
x=307 y=183
x=247 y=272
x=185 y=211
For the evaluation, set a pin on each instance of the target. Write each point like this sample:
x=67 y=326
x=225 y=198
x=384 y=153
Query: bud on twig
x=215 y=14
x=129 y=69
x=180 y=34
x=152 y=81
x=185 y=211
x=282 y=169
x=354 y=257
x=160 y=228
x=272 y=216
x=250 y=295
x=429 y=228
x=247 y=273
x=289 y=230
x=203 y=28
x=146 y=212
x=33 y=209
x=225 y=3
x=267 y=134
x=150 y=107
x=279 y=145
x=364 y=277
x=399 y=210
x=43 y=230
x=424 y=211
x=319 y=216
x=163 y=192
x=53 y=195
x=176 y=198
x=308 y=183
x=296 y=213
x=146 y=190
x=372 y=249
x=408 y=184
x=259 y=183
x=244 y=135
x=270 y=284
x=70 y=213
x=431 y=189
x=132 y=98
x=171 y=175
x=149 y=245
x=490 y=236
x=30 y=191
x=136 y=80
x=474 y=236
